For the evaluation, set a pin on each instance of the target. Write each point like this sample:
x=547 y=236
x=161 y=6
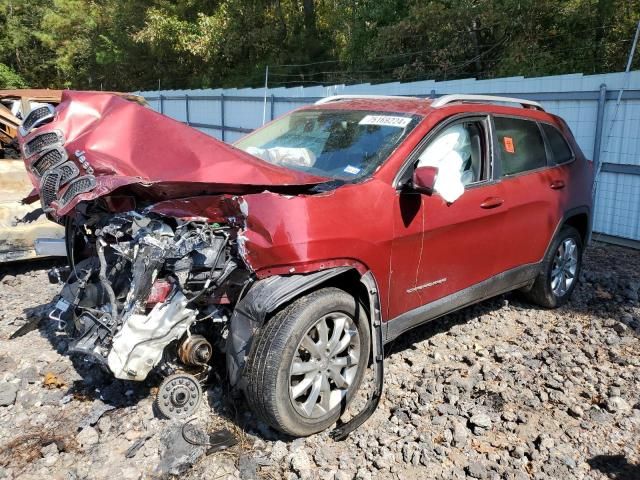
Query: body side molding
x=503 y=282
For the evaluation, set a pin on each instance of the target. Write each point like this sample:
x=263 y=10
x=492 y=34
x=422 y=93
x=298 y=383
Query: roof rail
x=447 y=99
x=338 y=98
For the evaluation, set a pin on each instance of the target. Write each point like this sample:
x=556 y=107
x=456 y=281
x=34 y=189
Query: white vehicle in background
x=39 y=237
x=36 y=236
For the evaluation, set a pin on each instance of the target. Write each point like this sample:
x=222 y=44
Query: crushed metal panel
x=125 y=144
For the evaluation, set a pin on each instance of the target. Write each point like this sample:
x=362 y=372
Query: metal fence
x=606 y=131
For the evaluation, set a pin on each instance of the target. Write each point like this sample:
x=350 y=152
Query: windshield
x=339 y=144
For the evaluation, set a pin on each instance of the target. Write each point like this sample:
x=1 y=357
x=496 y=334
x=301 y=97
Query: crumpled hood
x=118 y=143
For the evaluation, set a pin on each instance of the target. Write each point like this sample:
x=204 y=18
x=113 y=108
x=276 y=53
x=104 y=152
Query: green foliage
x=10 y=79
x=140 y=44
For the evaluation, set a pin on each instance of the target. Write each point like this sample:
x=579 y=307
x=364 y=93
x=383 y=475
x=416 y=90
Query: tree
x=138 y=44
x=10 y=79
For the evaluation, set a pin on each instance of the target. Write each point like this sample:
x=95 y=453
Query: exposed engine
x=154 y=294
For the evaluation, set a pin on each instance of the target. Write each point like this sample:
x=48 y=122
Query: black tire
x=268 y=367
x=542 y=292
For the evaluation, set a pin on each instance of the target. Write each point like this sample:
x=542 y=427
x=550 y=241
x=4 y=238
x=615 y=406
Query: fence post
x=602 y=98
x=161 y=104
x=597 y=146
x=273 y=100
x=222 y=129
x=186 y=107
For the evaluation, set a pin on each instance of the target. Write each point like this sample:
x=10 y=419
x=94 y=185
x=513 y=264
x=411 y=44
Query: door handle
x=557 y=184
x=492 y=202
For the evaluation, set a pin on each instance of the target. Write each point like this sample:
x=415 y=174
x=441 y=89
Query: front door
x=442 y=246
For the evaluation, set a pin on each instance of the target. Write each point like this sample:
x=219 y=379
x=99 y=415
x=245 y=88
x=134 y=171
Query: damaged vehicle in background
x=21 y=240
x=289 y=259
x=24 y=234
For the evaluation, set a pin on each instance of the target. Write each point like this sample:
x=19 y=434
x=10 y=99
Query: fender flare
x=250 y=313
x=267 y=295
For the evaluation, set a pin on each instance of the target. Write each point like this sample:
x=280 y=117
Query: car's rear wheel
x=308 y=362
x=560 y=270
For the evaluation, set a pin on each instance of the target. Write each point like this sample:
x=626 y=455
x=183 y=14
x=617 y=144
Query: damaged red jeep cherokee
x=295 y=255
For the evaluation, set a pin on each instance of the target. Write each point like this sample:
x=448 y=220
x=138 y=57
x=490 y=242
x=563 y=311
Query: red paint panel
x=442 y=248
x=126 y=143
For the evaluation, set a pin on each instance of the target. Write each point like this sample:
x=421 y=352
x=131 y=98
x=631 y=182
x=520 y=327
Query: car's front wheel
x=308 y=362
x=560 y=270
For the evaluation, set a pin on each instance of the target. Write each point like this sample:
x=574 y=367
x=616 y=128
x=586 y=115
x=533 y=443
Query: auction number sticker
x=386 y=121
x=508 y=145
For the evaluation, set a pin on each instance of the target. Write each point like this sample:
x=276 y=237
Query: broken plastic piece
x=218 y=440
x=159 y=292
x=138 y=346
x=137 y=445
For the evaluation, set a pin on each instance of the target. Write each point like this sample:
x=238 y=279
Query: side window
x=458 y=153
x=521 y=145
x=558 y=145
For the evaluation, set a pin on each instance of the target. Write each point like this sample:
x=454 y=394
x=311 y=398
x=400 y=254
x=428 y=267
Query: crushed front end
x=179 y=253
x=149 y=282
x=148 y=290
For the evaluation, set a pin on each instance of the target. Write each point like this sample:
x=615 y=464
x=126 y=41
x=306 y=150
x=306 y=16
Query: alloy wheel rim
x=324 y=365
x=565 y=267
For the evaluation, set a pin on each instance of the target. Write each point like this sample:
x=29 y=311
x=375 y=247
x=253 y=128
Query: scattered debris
x=98 y=409
x=137 y=445
x=29 y=326
x=221 y=440
x=52 y=381
x=177 y=454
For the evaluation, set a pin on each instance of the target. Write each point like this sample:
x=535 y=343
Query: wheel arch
x=579 y=220
x=268 y=296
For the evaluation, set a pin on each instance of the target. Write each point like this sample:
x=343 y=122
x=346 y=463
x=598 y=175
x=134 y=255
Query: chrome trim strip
x=447 y=99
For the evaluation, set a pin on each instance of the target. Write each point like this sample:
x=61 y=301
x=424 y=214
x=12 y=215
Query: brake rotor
x=179 y=395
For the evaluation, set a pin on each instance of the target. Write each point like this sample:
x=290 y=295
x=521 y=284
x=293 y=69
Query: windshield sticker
x=386 y=121
x=351 y=169
x=508 y=145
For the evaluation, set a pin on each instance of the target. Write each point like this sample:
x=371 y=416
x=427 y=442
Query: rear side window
x=558 y=145
x=521 y=145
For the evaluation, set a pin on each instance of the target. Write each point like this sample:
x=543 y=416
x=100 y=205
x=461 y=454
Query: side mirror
x=424 y=179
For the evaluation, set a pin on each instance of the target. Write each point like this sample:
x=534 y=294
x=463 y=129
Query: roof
x=411 y=105
x=426 y=106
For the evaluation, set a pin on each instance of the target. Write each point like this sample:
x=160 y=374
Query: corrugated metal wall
x=228 y=114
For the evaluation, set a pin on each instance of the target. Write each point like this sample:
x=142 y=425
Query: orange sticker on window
x=508 y=145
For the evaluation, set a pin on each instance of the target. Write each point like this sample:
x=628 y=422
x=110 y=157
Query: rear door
x=529 y=194
x=561 y=164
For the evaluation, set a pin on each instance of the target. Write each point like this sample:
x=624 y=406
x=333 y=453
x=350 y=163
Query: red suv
x=291 y=258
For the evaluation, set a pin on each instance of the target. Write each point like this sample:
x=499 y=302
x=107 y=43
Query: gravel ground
x=499 y=390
